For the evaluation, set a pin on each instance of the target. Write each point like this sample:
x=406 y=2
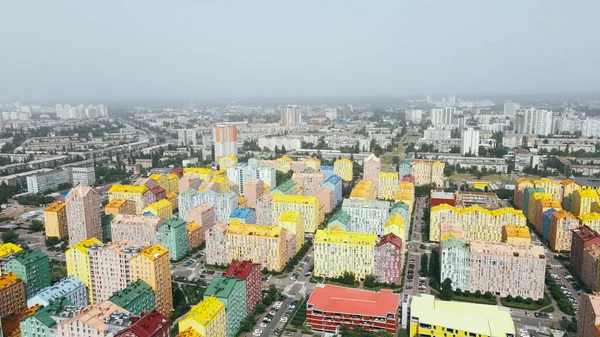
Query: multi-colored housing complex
x=554 y=187
x=343 y=168
x=336 y=252
x=129 y=192
x=173 y=235
x=12 y=292
x=153 y=266
x=334 y=183
x=282 y=164
x=261 y=244
x=516 y=235
x=309 y=206
x=395 y=224
x=205 y=174
x=207 y=318
x=590 y=220
x=232 y=293
x=227 y=161
x=475 y=222
x=562 y=224
x=251 y=274
x=139 y=229
x=195 y=235
x=330 y=307
x=119 y=206
x=137 y=298
x=216 y=245
x=31 y=266
x=364 y=190
x=367 y=216
x=583 y=200
x=294 y=223
x=168 y=181
x=55 y=220
x=389 y=259
x=371 y=169
x=162 y=209
x=310 y=183
x=427 y=173
x=433 y=317
x=7 y=249
x=520 y=185
x=406 y=194
x=83 y=214
x=41 y=323
x=474 y=266
x=70 y=288
x=538 y=204
x=387 y=185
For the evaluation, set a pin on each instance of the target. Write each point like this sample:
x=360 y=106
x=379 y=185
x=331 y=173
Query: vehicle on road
x=283 y=319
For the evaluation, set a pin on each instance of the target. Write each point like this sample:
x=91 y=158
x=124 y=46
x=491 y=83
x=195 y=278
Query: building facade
x=309 y=206
x=251 y=274
x=173 y=235
x=55 y=220
x=153 y=266
x=83 y=214
x=336 y=252
x=232 y=293
x=207 y=318
x=263 y=244
x=31 y=266
x=225 y=140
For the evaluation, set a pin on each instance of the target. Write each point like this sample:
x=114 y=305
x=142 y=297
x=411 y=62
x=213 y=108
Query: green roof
x=221 y=287
x=28 y=256
x=400 y=204
x=176 y=222
x=106 y=219
x=132 y=292
x=43 y=314
x=380 y=204
x=284 y=186
x=339 y=217
x=308 y=170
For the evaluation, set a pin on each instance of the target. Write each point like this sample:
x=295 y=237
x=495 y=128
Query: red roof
x=336 y=299
x=241 y=270
x=178 y=171
x=157 y=190
x=586 y=233
x=390 y=238
x=149 y=324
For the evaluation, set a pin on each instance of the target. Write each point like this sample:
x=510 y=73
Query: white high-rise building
x=511 y=108
x=241 y=173
x=291 y=116
x=331 y=114
x=442 y=116
x=83 y=175
x=46 y=181
x=186 y=137
x=413 y=115
x=534 y=122
x=470 y=142
x=67 y=111
x=225 y=139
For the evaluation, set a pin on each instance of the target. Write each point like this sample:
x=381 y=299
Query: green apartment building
x=32 y=267
x=173 y=235
x=40 y=323
x=138 y=297
x=232 y=293
x=287 y=187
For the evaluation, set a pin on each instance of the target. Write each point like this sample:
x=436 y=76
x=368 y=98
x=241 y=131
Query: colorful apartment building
x=119 y=206
x=310 y=183
x=427 y=173
x=371 y=169
x=516 y=235
x=32 y=267
x=395 y=224
x=55 y=220
x=298 y=166
x=168 y=181
x=527 y=196
x=364 y=190
x=152 y=324
x=582 y=238
x=553 y=187
x=589 y=315
x=568 y=187
x=583 y=200
x=154 y=194
x=83 y=214
x=227 y=161
x=282 y=164
x=406 y=194
x=309 y=206
x=403 y=209
x=368 y=216
x=139 y=229
x=264 y=209
x=232 y=293
x=41 y=323
x=204 y=215
x=340 y=221
x=195 y=235
x=344 y=168
x=538 y=204
x=433 y=317
x=336 y=252
x=520 y=185
x=207 y=318
x=389 y=259
x=562 y=224
x=334 y=183
x=162 y=209
x=205 y=174
x=79 y=263
x=262 y=244
x=387 y=185
x=129 y=192
x=589 y=272
x=472 y=267
x=326 y=197
x=331 y=307
x=245 y=215
x=189 y=182
x=103 y=319
x=12 y=292
x=216 y=245
x=476 y=223
x=173 y=235
x=294 y=223
x=314 y=163
x=71 y=288
x=8 y=248
x=153 y=266
x=137 y=297
x=253 y=190
x=250 y=273
x=590 y=220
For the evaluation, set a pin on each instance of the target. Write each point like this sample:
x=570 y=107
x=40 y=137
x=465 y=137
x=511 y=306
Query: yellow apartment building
x=336 y=252
x=129 y=192
x=55 y=220
x=343 y=168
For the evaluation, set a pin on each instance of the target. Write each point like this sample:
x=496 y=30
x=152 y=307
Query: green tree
x=10 y=236
x=519 y=299
x=423 y=271
x=369 y=281
x=478 y=294
x=458 y=292
x=529 y=300
x=36 y=226
x=509 y=298
x=446 y=290
x=488 y=295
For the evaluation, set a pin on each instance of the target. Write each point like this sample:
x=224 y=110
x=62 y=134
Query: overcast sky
x=140 y=49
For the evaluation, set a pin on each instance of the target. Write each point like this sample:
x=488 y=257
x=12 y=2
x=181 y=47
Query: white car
x=283 y=319
x=263 y=325
x=257 y=333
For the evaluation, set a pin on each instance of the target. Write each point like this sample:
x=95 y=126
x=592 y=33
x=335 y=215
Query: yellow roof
x=523 y=180
x=545 y=181
x=9 y=248
x=171 y=195
x=117 y=188
x=317 y=160
x=172 y=176
x=589 y=217
x=361 y=188
x=189 y=332
x=161 y=204
x=588 y=194
x=348 y=238
x=55 y=206
x=550 y=203
x=8 y=279
x=343 y=160
x=193 y=226
x=155 y=176
x=406 y=185
x=561 y=214
x=568 y=182
x=284 y=158
x=116 y=203
x=154 y=252
x=437 y=163
x=204 y=312
x=289 y=216
x=514 y=231
x=477 y=208
x=198 y=170
x=84 y=244
x=486 y=320
x=220 y=179
x=236 y=227
x=395 y=220
x=295 y=199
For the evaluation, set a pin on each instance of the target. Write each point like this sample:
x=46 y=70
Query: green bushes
x=526 y=304
x=299 y=255
x=563 y=302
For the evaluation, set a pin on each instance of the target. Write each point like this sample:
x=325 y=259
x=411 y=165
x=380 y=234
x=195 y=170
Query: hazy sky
x=133 y=50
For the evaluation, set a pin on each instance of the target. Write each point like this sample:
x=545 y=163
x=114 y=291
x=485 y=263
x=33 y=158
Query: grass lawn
x=402 y=333
x=58 y=270
x=548 y=309
x=472 y=299
x=386 y=158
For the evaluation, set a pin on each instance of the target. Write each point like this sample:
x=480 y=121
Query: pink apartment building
x=83 y=214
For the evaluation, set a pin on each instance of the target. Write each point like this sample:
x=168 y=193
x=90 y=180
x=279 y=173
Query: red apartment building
x=152 y=324
x=249 y=272
x=389 y=258
x=331 y=307
x=582 y=238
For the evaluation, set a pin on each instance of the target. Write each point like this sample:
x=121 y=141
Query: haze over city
x=114 y=51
